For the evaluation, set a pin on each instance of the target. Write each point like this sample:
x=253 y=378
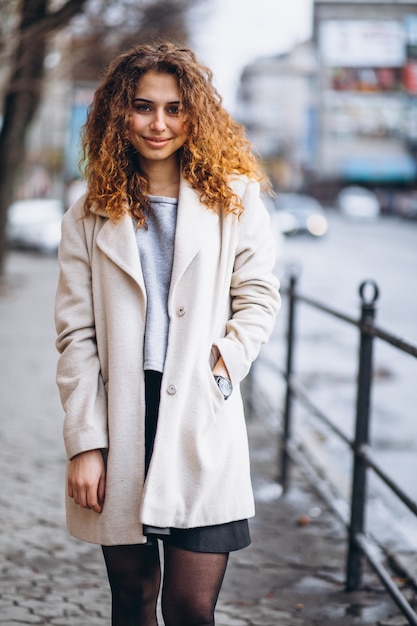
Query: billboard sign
x=362 y=43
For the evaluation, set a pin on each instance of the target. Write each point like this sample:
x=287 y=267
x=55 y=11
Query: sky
x=229 y=34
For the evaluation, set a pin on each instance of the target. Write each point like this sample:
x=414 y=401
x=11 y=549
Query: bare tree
x=23 y=90
x=124 y=24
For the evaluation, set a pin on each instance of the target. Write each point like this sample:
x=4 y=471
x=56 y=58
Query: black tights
x=191 y=585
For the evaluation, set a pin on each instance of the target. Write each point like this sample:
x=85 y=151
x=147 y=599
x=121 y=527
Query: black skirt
x=218 y=538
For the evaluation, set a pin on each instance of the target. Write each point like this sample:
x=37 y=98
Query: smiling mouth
x=157 y=139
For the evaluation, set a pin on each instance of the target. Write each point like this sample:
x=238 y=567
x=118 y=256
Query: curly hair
x=215 y=150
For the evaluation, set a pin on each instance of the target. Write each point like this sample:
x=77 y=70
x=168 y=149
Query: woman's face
x=157 y=130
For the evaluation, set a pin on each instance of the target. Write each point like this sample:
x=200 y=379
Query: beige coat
x=223 y=299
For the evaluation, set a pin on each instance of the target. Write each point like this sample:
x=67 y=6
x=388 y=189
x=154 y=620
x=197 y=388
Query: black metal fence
x=360 y=545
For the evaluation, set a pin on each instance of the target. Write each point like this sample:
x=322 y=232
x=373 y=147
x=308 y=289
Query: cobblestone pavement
x=292 y=575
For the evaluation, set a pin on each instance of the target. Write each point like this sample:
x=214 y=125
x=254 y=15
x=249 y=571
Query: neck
x=163 y=178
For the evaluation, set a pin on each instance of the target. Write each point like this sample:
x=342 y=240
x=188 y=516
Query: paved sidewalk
x=292 y=575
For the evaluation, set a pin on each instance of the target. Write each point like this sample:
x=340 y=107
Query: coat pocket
x=214 y=356
x=215 y=394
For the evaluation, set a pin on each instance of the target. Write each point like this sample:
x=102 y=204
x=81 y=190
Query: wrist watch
x=225 y=386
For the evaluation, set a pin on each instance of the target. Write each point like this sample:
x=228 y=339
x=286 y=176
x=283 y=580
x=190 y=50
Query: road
x=331 y=269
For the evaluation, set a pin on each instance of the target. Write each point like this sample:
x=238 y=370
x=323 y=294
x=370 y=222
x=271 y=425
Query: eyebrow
x=151 y=101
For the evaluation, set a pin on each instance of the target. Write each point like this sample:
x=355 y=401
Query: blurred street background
x=327 y=91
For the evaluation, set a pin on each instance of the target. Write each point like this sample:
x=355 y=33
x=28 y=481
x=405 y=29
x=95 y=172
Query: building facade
x=343 y=108
x=367 y=53
x=277 y=103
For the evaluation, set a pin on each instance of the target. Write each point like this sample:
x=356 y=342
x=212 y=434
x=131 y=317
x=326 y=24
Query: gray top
x=156 y=251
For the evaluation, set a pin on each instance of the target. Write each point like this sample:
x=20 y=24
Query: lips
x=156 y=142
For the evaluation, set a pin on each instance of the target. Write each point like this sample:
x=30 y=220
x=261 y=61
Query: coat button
x=172 y=390
x=181 y=311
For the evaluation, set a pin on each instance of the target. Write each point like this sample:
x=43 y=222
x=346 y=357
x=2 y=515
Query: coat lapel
x=117 y=241
x=194 y=223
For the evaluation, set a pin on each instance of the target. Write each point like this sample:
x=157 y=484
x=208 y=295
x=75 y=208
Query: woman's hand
x=220 y=369
x=87 y=480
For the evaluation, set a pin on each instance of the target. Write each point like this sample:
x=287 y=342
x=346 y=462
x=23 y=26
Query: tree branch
x=62 y=16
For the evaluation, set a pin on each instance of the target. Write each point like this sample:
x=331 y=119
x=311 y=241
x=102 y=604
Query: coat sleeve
x=79 y=379
x=255 y=298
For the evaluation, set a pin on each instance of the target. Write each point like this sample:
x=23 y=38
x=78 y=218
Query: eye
x=141 y=108
x=174 y=109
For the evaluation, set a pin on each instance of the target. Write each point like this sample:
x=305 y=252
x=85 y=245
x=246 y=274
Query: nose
x=158 y=122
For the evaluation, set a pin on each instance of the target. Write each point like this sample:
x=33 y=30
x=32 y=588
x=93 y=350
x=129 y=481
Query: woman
x=165 y=296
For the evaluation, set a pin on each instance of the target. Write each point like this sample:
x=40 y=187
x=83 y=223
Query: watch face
x=224 y=385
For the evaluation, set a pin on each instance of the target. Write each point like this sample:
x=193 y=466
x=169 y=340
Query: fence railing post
x=363 y=401
x=286 y=431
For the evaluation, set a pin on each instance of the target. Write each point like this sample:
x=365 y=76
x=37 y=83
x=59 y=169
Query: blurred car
x=358 y=203
x=35 y=224
x=300 y=213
